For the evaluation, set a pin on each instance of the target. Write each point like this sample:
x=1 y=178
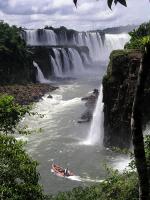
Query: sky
x=90 y=14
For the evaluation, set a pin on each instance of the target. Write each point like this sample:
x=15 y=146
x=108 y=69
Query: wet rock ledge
x=26 y=94
x=90 y=102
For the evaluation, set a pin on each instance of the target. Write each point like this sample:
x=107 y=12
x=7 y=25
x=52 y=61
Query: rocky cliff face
x=16 y=68
x=118 y=92
x=41 y=56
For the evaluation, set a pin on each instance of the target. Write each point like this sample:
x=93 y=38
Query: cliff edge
x=118 y=93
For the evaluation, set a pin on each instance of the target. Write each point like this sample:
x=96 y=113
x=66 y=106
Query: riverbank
x=26 y=94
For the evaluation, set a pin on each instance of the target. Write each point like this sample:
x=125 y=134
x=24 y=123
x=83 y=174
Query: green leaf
x=110 y=3
x=116 y=1
x=75 y=2
x=123 y=2
x=18 y=172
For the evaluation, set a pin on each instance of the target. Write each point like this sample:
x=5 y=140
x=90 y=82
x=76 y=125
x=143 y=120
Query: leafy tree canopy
x=140 y=37
x=18 y=176
x=109 y=2
x=10 y=113
x=10 y=39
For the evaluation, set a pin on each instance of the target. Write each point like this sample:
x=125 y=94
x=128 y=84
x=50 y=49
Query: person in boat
x=66 y=172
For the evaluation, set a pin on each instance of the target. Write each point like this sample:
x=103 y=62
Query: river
x=59 y=138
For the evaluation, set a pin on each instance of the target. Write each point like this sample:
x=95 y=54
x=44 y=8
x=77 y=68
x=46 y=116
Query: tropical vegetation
x=11 y=41
x=139 y=37
x=15 y=60
x=18 y=172
x=18 y=175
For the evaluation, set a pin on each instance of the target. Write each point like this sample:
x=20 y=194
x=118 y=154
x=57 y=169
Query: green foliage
x=15 y=61
x=143 y=30
x=109 y=2
x=146 y=40
x=10 y=114
x=116 y=187
x=18 y=176
x=139 y=37
x=147 y=149
x=10 y=39
x=120 y=186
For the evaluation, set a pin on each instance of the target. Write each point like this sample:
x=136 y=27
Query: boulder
x=50 y=96
x=90 y=102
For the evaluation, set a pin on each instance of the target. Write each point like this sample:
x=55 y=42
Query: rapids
x=61 y=139
x=57 y=136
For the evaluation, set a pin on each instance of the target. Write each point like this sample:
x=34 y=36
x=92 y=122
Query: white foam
x=80 y=179
x=121 y=163
x=22 y=138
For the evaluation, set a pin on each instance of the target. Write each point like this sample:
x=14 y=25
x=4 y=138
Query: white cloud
x=89 y=14
x=12 y=3
x=61 y=3
x=34 y=17
x=34 y=8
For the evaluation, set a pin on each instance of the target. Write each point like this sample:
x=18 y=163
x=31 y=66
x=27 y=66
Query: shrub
x=139 y=37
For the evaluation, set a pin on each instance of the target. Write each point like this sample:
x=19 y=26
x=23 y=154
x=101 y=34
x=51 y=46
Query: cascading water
x=113 y=42
x=40 y=37
x=86 y=60
x=68 y=62
x=99 y=45
x=40 y=76
x=78 y=65
x=56 y=67
x=51 y=37
x=96 y=132
x=57 y=62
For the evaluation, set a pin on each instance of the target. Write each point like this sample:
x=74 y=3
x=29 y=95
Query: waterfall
x=96 y=132
x=113 y=42
x=51 y=37
x=58 y=63
x=86 y=60
x=40 y=37
x=56 y=67
x=99 y=45
x=40 y=76
x=78 y=66
x=31 y=37
x=67 y=60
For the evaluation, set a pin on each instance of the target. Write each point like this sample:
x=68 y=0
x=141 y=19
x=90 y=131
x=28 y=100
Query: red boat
x=60 y=171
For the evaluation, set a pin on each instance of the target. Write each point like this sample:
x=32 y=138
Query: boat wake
x=78 y=178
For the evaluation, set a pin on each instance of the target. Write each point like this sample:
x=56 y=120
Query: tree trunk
x=136 y=128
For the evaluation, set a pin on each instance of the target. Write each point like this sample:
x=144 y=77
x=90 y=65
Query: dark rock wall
x=41 y=56
x=16 y=68
x=118 y=92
